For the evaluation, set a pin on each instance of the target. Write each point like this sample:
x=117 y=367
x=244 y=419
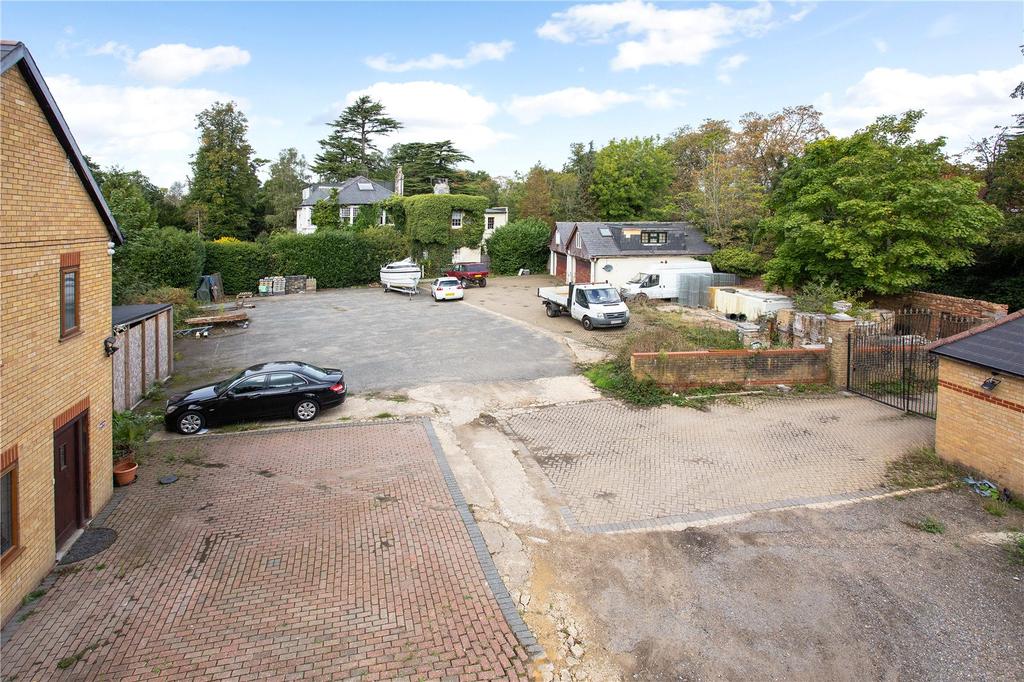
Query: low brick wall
x=743 y=367
x=941 y=304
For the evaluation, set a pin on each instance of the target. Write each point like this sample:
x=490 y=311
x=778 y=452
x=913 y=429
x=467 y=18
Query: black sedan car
x=273 y=389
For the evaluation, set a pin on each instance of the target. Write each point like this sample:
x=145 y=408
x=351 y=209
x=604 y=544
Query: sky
x=511 y=83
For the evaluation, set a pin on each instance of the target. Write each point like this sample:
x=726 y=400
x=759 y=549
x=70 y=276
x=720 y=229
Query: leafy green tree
x=631 y=180
x=128 y=202
x=874 y=211
x=283 y=189
x=522 y=243
x=536 y=198
x=224 y=182
x=737 y=260
x=580 y=165
x=423 y=162
x=350 y=149
x=326 y=214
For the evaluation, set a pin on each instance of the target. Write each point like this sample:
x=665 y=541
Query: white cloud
x=647 y=35
x=730 y=64
x=577 y=101
x=148 y=128
x=174 y=62
x=881 y=45
x=957 y=106
x=432 y=111
x=477 y=53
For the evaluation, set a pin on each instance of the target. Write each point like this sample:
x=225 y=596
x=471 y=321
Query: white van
x=661 y=280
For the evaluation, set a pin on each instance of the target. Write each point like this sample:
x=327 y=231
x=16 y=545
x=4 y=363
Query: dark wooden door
x=67 y=481
x=582 y=271
x=560 y=265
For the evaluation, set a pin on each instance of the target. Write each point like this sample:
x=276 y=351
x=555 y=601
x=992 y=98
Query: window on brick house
x=9 y=510
x=69 y=292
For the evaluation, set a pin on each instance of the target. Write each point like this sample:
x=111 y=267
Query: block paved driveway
x=330 y=553
x=618 y=467
x=381 y=340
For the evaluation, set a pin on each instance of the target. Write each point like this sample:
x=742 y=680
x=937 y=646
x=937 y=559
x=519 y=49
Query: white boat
x=401 y=275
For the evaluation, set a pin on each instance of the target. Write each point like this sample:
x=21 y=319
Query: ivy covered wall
x=428 y=225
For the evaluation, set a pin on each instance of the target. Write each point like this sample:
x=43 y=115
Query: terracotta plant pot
x=124 y=472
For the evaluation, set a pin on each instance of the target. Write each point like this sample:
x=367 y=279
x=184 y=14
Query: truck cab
x=594 y=305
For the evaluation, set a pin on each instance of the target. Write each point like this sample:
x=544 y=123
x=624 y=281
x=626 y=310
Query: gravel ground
x=854 y=592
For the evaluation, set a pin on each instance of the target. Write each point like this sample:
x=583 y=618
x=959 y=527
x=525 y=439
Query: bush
x=130 y=431
x=520 y=244
x=738 y=260
x=818 y=297
x=183 y=300
x=157 y=257
x=240 y=264
x=337 y=258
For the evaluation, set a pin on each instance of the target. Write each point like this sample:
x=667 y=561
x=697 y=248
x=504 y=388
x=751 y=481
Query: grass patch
x=812 y=389
x=995 y=507
x=384 y=415
x=26 y=615
x=69 y=661
x=931 y=525
x=239 y=427
x=1016 y=549
x=32 y=596
x=920 y=468
x=396 y=398
x=616 y=379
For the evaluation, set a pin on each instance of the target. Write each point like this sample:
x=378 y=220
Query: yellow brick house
x=56 y=237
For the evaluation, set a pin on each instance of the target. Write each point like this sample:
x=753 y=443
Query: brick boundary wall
x=689 y=369
x=941 y=303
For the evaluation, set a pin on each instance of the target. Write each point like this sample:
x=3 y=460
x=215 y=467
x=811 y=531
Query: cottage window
x=651 y=237
x=9 y=510
x=68 y=300
x=490 y=222
x=456 y=220
x=579 y=240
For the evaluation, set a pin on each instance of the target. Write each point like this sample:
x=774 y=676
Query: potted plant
x=130 y=431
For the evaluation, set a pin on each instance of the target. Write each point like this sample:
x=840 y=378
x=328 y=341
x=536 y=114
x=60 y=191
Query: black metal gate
x=888 y=362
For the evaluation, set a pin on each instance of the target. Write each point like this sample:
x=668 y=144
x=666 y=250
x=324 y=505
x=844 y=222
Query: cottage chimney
x=306 y=191
x=441 y=186
x=399 y=182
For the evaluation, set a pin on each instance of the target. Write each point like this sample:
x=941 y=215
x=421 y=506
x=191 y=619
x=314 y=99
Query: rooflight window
x=365 y=186
x=605 y=232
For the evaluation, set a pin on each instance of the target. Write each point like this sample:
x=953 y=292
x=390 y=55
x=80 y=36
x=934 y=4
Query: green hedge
x=520 y=244
x=737 y=260
x=240 y=264
x=337 y=258
x=157 y=257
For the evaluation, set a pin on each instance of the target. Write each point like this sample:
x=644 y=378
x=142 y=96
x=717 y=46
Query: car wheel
x=191 y=423
x=306 y=410
x=551 y=311
x=483 y=282
x=587 y=324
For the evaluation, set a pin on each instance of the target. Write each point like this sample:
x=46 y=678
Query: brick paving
x=325 y=553
x=619 y=467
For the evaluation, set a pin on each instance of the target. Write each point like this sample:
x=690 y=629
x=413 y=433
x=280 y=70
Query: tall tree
x=224 y=183
x=351 y=148
x=875 y=211
x=128 y=202
x=424 y=162
x=283 y=189
x=580 y=165
x=764 y=144
x=631 y=180
x=536 y=199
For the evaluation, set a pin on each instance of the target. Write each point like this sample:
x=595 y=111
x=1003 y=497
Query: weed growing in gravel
x=383 y=415
x=921 y=468
x=33 y=596
x=931 y=525
x=1016 y=549
x=995 y=507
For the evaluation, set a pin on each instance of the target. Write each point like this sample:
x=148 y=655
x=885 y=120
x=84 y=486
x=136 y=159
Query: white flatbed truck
x=594 y=305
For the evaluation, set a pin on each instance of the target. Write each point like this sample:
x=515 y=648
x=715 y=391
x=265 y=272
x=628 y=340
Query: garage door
x=559 y=265
x=582 y=271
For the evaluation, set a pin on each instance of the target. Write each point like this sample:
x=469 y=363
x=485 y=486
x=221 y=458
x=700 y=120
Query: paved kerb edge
x=494 y=581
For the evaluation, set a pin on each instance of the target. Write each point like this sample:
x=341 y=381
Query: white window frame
x=456 y=219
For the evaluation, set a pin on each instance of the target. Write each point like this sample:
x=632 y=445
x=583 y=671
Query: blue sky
x=511 y=83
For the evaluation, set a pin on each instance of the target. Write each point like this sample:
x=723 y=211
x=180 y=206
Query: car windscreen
x=602 y=296
x=223 y=386
x=447 y=282
x=637 y=278
x=474 y=267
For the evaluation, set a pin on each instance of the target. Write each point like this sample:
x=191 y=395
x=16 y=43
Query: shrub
x=130 y=431
x=337 y=258
x=183 y=300
x=240 y=264
x=157 y=257
x=520 y=244
x=819 y=295
x=738 y=260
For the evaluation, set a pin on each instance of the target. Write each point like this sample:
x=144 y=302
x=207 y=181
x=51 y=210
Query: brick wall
x=44 y=213
x=983 y=430
x=941 y=303
x=743 y=367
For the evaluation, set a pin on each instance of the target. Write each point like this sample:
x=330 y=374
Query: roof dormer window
x=653 y=237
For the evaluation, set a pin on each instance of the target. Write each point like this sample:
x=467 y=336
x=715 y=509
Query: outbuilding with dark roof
x=980 y=415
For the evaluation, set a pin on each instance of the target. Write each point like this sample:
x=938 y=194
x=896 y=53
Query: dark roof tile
x=998 y=345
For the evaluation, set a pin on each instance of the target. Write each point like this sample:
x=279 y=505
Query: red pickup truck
x=469 y=273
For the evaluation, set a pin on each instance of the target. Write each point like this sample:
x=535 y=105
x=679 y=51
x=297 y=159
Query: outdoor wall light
x=110 y=248
x=110 y=345
x=990 y=383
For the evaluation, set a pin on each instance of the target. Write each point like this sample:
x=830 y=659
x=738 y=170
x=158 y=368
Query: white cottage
x=353 y=194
